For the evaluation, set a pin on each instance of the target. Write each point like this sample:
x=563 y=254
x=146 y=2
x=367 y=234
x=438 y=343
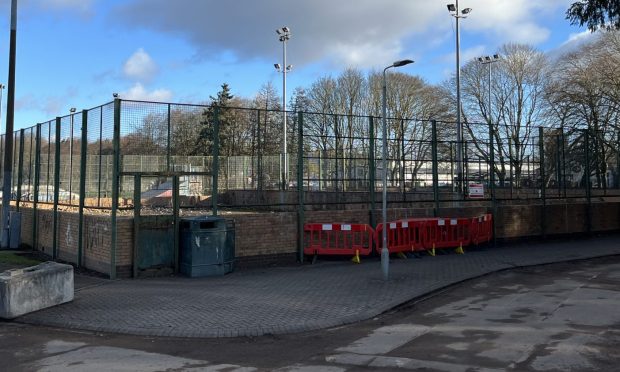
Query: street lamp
x=385 y=253
x=284 y=34
x=454 y=11
x=72 y=111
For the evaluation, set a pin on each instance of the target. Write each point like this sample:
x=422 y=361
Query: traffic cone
x=356 y=258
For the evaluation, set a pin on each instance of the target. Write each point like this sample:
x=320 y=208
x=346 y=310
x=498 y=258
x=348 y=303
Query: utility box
x=15 y=230
x=207 y=246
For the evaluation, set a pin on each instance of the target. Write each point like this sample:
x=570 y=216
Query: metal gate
x=156 y=237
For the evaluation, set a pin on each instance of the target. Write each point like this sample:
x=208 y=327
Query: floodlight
x=496 y=56
x=480 y=59
x=451 y=8
x=115 y=95
x=487 y=58
x=466 y=11
x=72 y=109
x=277 y=66
x=286 y=29
x=289 y=67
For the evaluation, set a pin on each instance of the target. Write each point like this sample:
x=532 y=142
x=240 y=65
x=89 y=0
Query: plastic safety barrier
x=402 y=236
x=482 y=229
x=447 y=233
x=338 y=239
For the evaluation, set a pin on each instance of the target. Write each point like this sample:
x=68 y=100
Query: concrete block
x=23 y=291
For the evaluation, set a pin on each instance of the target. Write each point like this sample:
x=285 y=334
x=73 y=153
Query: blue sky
x=76 y=53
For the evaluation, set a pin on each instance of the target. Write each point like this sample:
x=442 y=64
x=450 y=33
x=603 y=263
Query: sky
x=77 y=53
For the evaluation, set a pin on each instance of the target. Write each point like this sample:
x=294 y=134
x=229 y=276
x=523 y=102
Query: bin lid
x=202 y=223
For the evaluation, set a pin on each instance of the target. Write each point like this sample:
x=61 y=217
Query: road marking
x=379 y=361
x=303 y=368
x=385 y=339
x=104 y=358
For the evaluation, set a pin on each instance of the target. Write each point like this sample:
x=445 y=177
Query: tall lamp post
x=488 y=60
x=454 y=11
x=385 y=253
x=284 y=34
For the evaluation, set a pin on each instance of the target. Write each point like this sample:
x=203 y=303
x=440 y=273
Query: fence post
x=588 y=183
x=137 y=208
x=169 y=145
x=543 y=196
x=558 y=165
x=83 y=160
x=175 y=214
x=563 y=161
x=492 y=178
x=300 y=188
x=115 y=184
x=56 y=189
x=373 y=169
x=402 y=160
x=435 y=169
x=617 y=179
x=216 y=160
x=20 y=169
x=37 y=179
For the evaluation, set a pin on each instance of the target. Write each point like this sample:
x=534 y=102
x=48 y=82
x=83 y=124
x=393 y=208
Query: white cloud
x=362 y=33
x=83 y=7
x=140 y=66
x=574 y=42
x=139 y=93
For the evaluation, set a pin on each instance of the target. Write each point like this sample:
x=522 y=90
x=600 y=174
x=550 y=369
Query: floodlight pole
x=8 y=141
x=284 y=35
x=385 y=253
x=457 y=14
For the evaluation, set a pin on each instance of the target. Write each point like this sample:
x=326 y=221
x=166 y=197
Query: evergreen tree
x=595 y=14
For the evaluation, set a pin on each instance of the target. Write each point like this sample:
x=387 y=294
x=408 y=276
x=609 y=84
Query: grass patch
x=12 y=258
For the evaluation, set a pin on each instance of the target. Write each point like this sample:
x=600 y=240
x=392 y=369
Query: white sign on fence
x=476 y=190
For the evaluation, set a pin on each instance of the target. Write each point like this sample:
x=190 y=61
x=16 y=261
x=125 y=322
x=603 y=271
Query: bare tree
x=517 y=107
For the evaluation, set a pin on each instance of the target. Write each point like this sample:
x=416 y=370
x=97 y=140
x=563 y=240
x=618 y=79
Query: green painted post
x=617 y=180
x=37 y=179
x=20 y=169
x=216 y=160
x=300 y=188
x=83 y=160
x=56 y=189
x=168 y=147
x=373 y=169
x=492 y=178
x=588 y=183
x=115 y=184
x=558 y=165
x=175 y=214
x=543 y=194
x=137 y=206
x=435 y=168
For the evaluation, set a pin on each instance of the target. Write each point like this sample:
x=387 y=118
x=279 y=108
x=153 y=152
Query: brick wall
x=266 y=238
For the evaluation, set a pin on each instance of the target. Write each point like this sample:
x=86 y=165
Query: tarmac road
x=556 y=317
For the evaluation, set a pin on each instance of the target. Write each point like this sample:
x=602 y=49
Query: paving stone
x=292 y=299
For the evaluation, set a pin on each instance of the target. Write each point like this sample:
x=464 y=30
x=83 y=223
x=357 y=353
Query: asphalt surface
x=292 y=299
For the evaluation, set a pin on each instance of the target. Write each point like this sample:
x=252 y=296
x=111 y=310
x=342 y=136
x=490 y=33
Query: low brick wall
x=269 y=238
